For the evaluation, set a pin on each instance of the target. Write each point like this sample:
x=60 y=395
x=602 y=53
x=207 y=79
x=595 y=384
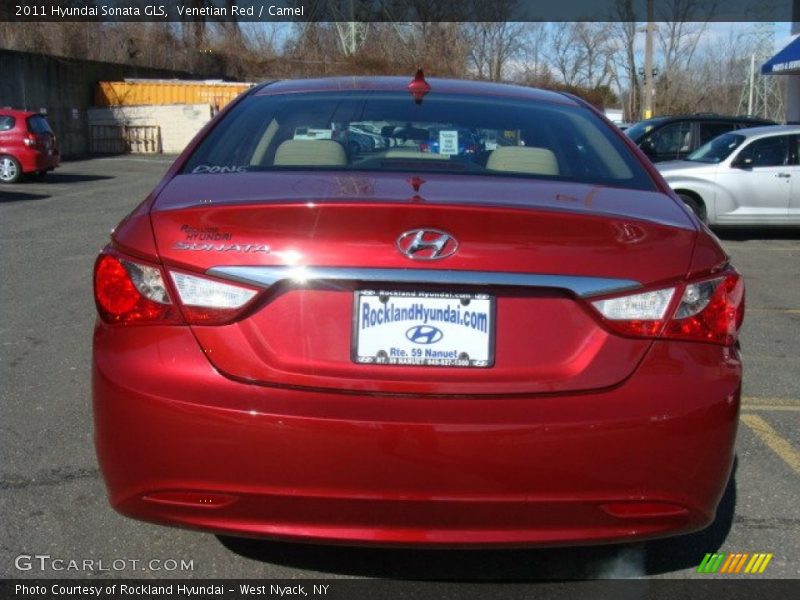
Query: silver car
x=745 y=177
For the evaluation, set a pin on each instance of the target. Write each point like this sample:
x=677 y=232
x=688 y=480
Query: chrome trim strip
x=263 y=276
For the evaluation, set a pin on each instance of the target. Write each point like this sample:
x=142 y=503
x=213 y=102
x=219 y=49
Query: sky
x=783 y=35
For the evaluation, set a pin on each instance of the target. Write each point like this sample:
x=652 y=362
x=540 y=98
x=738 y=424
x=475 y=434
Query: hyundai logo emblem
x=427 y=244
x=424 y=334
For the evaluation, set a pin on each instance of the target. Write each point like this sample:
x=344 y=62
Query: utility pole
x=649 y=87
x=752 y=83
x=351 y=33
x=761 y=95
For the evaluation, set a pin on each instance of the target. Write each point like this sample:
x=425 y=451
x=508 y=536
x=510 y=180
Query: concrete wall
x=64 y=87
x=178 y=122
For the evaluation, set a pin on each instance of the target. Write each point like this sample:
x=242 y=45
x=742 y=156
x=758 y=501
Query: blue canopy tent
x=785 y=61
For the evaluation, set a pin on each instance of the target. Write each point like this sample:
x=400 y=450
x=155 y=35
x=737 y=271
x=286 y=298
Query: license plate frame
x=483 y=307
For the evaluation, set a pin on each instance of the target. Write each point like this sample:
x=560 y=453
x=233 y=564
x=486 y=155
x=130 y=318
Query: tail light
x=708 y=310
x=131 y=291
x=127 y=292
x=637 y=314
x=29 y=140
x=210 y=302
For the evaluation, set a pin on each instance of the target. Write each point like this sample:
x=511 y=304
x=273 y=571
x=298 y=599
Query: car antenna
x=418 y=86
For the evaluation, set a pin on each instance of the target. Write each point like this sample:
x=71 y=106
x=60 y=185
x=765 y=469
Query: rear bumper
x=34 y=160
x=180 y=444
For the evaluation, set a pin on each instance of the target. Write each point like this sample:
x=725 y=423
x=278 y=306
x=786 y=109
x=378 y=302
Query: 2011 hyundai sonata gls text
x=522 y=337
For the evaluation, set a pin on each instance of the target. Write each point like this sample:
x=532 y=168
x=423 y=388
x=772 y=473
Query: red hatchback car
x=534 y=343
x=27 y=145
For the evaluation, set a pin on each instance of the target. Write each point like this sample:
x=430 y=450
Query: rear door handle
x=784 y=175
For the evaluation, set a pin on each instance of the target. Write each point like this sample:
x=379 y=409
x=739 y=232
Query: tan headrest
x=310 y=153
x=523 y=159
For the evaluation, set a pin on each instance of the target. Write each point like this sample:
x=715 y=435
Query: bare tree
x=678 y=35
x=583 y=53
x=441 y=48
x=493 y=46
x=625 y=30
x=563 y=54
x=533 y=64
x=597 y=45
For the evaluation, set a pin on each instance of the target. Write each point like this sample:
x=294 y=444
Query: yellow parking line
x=758 y=400
x=767 y=247
x=775 y=408
x=776 y=443
x=751 y=403
x=768 y=400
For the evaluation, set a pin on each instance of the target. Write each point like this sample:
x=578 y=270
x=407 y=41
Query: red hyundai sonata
x=521 y=338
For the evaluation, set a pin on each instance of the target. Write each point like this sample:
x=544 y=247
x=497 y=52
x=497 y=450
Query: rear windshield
x=38 y=124
x=388 y=131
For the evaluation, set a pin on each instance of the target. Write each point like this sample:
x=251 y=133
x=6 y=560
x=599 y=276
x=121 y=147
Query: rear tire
x=696 y=205
x=10 y=169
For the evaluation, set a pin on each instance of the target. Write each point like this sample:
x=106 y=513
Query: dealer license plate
x=423 y=329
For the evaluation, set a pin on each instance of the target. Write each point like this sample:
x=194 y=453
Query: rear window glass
x=6 y=122
x=38 y=124
x=388 y=131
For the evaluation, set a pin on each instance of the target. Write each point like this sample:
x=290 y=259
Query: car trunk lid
x=536 y=250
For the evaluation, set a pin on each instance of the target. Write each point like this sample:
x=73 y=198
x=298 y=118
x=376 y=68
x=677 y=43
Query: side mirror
x=743 y=163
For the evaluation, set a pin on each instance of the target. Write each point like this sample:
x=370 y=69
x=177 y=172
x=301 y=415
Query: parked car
x=27 y=145
x=537 y=347
x=358 y=142
x=747 y=177
x=675 y=137
x=373 y=132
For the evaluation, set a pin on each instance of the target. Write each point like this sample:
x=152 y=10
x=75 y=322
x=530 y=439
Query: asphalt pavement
x=52 y=499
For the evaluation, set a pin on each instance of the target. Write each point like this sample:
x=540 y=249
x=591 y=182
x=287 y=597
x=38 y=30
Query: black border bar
x=400 y=11
x=733 y=588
